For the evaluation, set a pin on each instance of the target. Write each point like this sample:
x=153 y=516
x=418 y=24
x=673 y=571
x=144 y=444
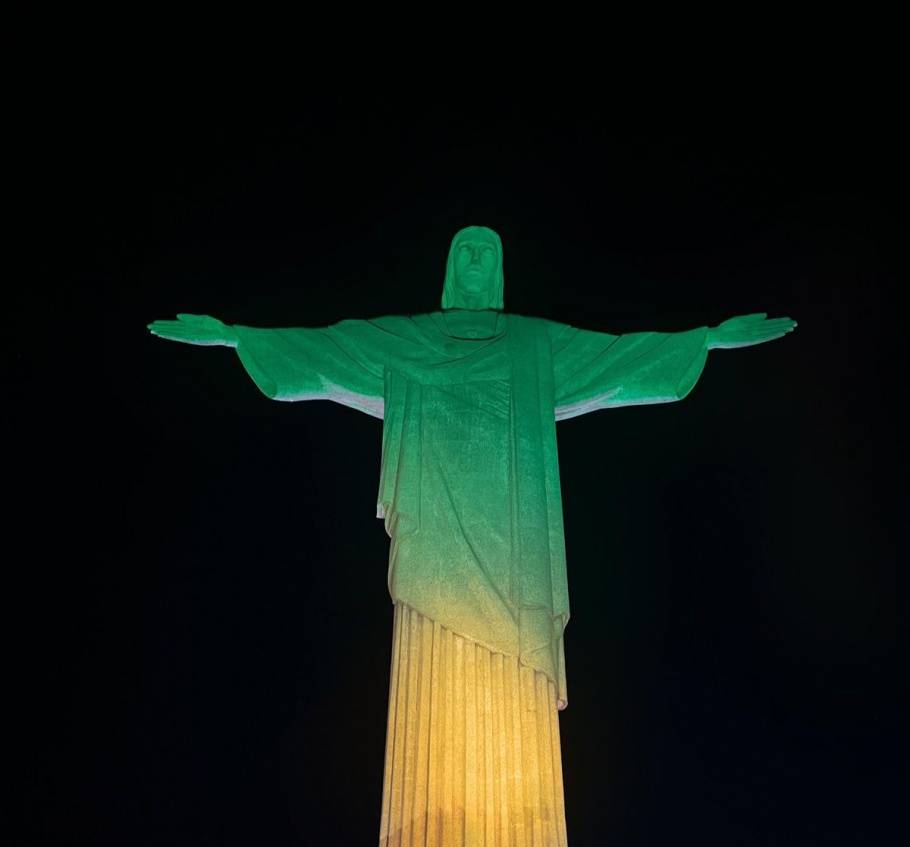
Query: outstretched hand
x=745 y=330
x=196 y=329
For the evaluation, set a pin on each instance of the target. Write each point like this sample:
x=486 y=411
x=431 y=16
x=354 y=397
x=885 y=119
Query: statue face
x=475 y=262
x=474 y=270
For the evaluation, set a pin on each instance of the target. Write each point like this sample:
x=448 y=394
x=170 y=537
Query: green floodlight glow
x=469 y=492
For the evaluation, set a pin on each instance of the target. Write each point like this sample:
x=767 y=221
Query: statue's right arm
x=196 y=329
x=343 y=362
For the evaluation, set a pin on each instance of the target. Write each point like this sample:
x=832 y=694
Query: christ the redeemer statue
x=469 y=491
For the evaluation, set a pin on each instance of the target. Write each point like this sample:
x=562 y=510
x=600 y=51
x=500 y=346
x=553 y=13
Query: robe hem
x=562 y=702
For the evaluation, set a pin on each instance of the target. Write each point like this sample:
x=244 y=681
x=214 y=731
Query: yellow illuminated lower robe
x=472 y=747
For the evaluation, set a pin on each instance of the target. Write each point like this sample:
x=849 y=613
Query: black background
x=201 y=625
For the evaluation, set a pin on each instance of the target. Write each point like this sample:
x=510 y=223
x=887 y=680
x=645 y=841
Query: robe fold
x=469 y=478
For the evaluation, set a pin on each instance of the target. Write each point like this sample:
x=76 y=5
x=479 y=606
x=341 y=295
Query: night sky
x=201 y=627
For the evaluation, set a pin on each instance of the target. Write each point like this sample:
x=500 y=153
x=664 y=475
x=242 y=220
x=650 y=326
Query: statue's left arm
x=597 y=370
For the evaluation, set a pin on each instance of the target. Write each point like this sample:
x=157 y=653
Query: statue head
x=474 y=271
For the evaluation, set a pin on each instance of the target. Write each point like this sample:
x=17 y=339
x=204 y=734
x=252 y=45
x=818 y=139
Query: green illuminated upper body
x=470 y=396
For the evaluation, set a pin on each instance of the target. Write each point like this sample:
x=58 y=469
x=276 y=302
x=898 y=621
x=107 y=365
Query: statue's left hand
x=745 y=330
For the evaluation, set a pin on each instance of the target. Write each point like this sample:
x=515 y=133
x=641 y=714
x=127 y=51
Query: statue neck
x=471 y=323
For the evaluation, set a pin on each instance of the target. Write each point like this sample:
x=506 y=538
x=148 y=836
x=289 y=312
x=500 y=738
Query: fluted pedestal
x=472 y=748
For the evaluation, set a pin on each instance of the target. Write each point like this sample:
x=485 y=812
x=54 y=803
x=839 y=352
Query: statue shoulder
x=391 y=323
x=398 y=329
x=541 y=326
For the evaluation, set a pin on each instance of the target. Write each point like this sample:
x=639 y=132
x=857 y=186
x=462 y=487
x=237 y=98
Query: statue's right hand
x=196 y=329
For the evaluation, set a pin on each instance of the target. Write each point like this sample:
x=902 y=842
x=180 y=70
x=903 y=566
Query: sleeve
x=596 y=370
x=344 y=362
